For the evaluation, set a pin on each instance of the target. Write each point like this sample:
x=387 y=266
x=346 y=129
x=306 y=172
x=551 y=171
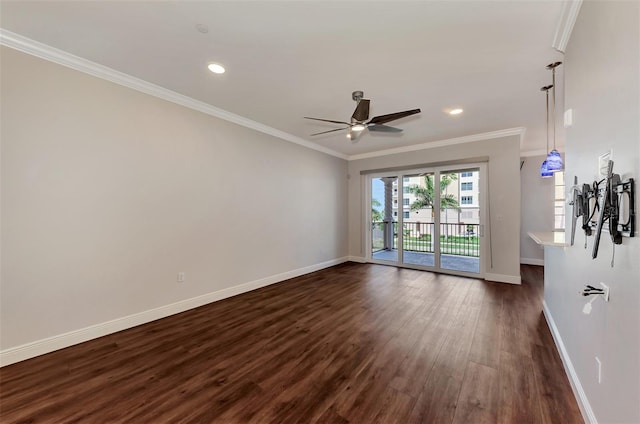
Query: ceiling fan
x=359 y=119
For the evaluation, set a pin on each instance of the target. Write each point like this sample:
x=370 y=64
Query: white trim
x=358 y=259
x=567 y=20
x=436 y=170
x=46 y=52
x=43 y=51
x=433 y=144
x=50 y=344
x=532 y=261
x=578 y=391
x=503 y=278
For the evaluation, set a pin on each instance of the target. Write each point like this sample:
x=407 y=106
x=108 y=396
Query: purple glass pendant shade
x=554 y=161
x=544 y=171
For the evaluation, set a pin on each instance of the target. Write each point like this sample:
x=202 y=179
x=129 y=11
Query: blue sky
x=377 y=191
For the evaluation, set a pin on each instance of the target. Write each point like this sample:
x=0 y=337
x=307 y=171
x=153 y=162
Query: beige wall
x=537 y=209
x=503 y=155
x=602 y=68
x=108 y=193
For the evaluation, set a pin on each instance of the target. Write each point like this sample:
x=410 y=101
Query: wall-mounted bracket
x=612 y=209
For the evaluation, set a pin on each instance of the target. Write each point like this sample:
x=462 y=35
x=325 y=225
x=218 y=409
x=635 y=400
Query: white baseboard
x=532 y=261
x=358 y=259
x=502 y=278
x=50 y=344
x=578 y=391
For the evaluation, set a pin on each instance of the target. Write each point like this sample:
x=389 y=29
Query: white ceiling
x=286 y=60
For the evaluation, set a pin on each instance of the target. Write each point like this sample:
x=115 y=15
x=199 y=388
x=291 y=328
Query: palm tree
x=425 y=194
x=376 y=215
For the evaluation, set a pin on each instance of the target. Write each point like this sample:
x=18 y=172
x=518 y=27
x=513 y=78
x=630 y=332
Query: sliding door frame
x=484 y=229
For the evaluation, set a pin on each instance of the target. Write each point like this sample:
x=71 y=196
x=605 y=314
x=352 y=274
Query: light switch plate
x=568 y=118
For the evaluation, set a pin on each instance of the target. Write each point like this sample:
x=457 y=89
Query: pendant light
x=544 y=169
x=554 y=160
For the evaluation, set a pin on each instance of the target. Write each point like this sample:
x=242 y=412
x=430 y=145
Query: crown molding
x=61 y=57
x=567 y=20
x=440 y=143
x=46 y=52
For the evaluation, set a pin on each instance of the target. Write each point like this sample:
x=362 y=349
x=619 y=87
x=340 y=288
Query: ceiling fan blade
x=337 y=129
x=362 y=111
x=383 y=119
x=328 y=120
x=384 y=128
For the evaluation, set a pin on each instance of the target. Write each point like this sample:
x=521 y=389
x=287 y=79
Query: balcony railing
x=455 y=239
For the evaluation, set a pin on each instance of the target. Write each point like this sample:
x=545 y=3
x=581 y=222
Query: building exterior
x=464 y=188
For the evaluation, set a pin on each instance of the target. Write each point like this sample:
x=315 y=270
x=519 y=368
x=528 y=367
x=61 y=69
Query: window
x=395 y=201
x=467 y=200
x=405 y=189
x=405 y=179
x=406 y=214
x=466 y=174
x=405 y=202
x=558 y=199
x=466 y=186
x=395 y=213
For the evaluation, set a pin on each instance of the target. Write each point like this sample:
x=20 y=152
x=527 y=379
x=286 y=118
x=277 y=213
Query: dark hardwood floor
x=355 y=343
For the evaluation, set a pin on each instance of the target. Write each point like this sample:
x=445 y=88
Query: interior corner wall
x=602 y=77
x=537 y=208
x=504 y=191
x=108 y=193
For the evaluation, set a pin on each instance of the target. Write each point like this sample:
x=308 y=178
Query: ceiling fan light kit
x=359 y=118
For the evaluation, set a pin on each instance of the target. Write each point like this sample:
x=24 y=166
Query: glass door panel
x=459 y=212
x=418 y=219
x=384 y=218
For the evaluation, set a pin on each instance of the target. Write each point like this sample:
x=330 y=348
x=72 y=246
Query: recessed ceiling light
x=358 y=127
x=349 y=136
x=216 y=68
x=455 y=111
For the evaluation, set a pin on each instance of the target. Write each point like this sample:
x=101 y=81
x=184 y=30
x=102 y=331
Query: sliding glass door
x=384 y=218
x=460 y=220
x=430 y=219
x=418 y=220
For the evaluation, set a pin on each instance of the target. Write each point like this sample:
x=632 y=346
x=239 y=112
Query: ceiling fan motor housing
x=357 y=95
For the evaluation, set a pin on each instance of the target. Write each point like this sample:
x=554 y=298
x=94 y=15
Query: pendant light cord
x=553 y=85
x=553 y=67
x=547 y=92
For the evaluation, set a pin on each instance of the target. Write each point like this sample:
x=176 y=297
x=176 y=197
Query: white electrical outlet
x=603 y=162
x=599 y=370
x=181 y=277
